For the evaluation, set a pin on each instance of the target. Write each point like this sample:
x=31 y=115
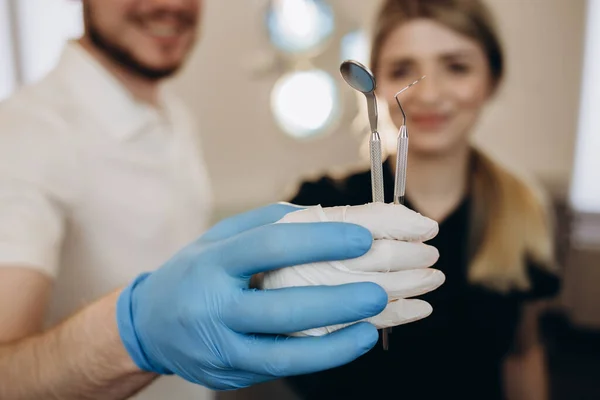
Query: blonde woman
x=495 y=241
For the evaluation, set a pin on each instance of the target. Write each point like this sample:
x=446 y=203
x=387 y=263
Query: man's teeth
x=162 y=30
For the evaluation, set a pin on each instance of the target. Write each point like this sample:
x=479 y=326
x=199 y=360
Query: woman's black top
x=456 y=352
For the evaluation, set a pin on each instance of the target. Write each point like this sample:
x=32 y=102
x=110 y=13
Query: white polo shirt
x=96 y=188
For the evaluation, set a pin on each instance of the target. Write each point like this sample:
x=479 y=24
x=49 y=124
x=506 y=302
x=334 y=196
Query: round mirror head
x=358 y=76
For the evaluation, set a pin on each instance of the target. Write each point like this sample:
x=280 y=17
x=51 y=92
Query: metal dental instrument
x=402 y=153
x=361 y=79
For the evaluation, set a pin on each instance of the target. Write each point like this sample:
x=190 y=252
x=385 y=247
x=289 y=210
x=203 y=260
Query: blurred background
x=273 y=109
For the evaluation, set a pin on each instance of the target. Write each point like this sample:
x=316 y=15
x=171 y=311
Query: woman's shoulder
x=544 y=284
x=333 y=188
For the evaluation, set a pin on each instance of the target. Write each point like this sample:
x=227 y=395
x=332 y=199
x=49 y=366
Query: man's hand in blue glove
x=197 y=318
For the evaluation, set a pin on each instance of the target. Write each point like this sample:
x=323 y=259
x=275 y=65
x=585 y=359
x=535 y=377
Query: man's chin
x=154 y=73
x=154 y=67
x=149 y=71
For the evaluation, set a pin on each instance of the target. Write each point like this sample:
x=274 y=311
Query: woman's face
x=442 y=108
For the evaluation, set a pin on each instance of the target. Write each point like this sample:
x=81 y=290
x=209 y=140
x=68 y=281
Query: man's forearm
x=82 y=358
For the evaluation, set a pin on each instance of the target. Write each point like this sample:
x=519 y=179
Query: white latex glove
x=398 y=261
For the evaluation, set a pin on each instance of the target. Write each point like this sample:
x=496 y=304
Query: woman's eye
x=399 y=73
x=459 y=68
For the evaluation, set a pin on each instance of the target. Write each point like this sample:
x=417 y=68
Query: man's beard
x=124 y=57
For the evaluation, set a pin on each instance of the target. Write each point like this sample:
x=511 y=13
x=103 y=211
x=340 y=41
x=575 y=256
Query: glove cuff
x=127 y=329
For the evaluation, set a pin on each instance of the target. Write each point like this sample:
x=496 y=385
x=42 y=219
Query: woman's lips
x=429 y=121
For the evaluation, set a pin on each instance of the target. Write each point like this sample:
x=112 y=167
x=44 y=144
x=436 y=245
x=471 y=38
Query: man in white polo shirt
x=106 y=168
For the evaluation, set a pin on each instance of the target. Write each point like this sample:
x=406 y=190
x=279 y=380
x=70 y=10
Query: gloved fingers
x=385 y=221
x=293 y=309
x=248 y=220
x=287 y=356
x=399 y=312
x=399 y=284
x=393 y=255
x=411 y=283
x=280 y=245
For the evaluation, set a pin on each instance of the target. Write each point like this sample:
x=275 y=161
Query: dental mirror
x=360 y=78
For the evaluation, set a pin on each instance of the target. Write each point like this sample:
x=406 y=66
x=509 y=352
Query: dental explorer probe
x=402 y=153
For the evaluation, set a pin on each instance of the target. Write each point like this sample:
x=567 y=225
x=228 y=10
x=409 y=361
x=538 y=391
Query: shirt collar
x=100 y=94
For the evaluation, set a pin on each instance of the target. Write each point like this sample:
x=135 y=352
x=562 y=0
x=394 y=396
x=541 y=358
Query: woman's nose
x=428 y=91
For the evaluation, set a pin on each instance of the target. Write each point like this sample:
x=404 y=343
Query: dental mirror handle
x=377 y=189
x=401 y=163
x=376 y=168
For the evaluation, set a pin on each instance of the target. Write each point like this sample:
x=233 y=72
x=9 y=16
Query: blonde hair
x=509 y=224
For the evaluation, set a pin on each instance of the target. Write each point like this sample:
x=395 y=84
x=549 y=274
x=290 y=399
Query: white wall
x=585 y=188
x=530 y=126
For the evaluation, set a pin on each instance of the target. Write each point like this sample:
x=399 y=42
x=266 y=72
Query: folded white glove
x=398 y=261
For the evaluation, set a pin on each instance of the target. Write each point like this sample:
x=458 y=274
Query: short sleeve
x=33 y=188
x=31 y=228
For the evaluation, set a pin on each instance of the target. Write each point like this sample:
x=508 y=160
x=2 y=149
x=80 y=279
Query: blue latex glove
x=196 y=316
